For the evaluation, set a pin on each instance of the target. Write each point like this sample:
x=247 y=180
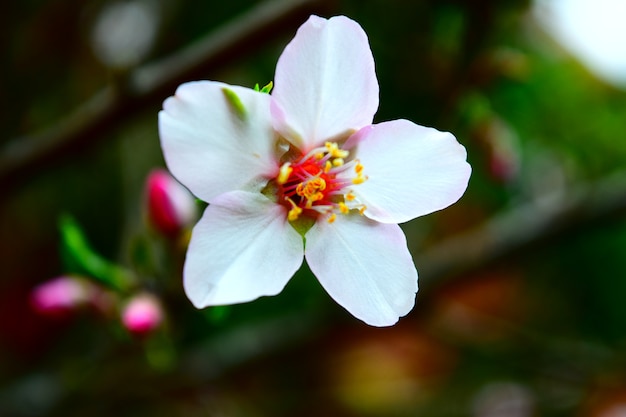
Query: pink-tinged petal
x=213 y=146
x=365 y=266
x=412 y=170
x=325 y=83
x=241 y=249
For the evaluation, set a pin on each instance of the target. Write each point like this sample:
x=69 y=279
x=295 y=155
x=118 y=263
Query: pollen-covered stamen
x=284 y=173
x=320 y=182
x=295 y=211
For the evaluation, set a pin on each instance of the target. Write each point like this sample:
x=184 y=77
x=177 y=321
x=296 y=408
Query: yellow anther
x=343 y=208
x=313 y=198
x=358 y=180
x=317 y=196
x=295 y=211
x=311 y=187
x=319 y=183
x=332 y=218
x=319 y=156
x=338 y=162
x=327 y=167
x=284 y=173
x=362 y=210
x=340 y=153
x=334 y=151
x=358 y=168
x=350 y=196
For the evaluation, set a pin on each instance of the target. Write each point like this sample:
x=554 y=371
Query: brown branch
x=524 y=229
x=26 y=157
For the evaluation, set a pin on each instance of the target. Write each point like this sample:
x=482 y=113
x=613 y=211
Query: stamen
x=295 y=211
x=284 y=173
x=334 y=151
x=337 y=162
x=319 y=182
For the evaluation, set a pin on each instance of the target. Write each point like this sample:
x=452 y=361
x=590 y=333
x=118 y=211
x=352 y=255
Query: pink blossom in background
x=142 y=314
x=304 y=174
x=170 y=206
x=62 y=295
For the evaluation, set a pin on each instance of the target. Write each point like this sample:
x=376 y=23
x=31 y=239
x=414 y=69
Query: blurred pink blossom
x=142 y=314
x=62 y=295
x=170 y=206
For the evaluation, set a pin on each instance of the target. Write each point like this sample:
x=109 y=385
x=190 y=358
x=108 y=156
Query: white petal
x=325 y=83
x=412 y=170
x=209 y=146
x=365 y=266
x=241 y=249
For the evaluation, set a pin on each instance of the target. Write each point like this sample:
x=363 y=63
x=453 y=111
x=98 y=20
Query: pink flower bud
x=62 y=295
x=170 y=206
x=142 y=314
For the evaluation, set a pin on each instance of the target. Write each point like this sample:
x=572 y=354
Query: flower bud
x=142 y=314
x=62 y=295
x=170 y=206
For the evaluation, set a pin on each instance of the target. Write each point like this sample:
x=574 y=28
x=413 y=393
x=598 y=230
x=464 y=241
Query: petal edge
x=365 y=266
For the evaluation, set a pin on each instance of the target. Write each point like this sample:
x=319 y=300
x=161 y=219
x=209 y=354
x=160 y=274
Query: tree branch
x=524 y=229
x=25 y=157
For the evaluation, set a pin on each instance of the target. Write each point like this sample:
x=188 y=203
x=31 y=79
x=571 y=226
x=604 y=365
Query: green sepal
x=257 y=88
x=80 y=258
x=201 y=204
x=271 y=190
x=302 y=224
x=235 y=102
x=268 y=87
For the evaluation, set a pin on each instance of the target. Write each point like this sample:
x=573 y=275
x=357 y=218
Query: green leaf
x=235 y=102
x=80 y=258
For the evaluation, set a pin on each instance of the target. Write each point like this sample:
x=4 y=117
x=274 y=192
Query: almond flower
x=303 y=173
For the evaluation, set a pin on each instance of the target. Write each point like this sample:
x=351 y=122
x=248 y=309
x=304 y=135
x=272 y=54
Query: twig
x=27 y=156
x=525 y=228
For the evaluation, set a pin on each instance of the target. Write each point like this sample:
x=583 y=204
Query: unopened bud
x=171 y=207
x=142 y=314
x=62 y=295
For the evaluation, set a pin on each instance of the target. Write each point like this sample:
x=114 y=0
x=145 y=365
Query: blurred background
x=521 y=307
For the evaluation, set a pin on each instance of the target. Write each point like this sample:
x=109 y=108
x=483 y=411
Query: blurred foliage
x=536 y=333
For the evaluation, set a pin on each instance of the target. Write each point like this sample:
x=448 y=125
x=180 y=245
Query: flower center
x=320 y=182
